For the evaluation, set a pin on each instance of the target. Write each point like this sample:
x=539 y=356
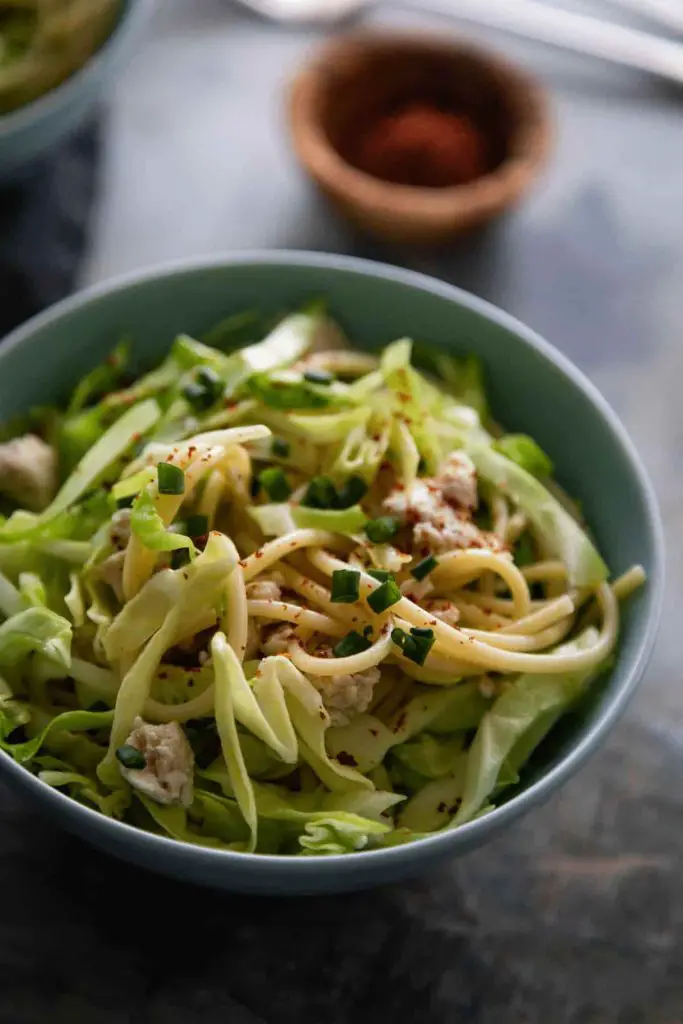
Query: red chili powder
x=423 y=146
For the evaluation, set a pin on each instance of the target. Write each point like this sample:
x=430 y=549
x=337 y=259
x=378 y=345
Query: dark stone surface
x=44 y=219
x=575 y=916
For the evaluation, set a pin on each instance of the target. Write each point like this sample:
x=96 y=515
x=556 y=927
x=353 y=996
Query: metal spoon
x=528 y=18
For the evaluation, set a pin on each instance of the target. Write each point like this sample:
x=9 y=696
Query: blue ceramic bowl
x=533 y=389
x=30 y=131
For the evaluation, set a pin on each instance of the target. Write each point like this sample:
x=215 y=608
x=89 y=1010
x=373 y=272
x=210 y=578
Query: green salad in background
x=291 y=598
x=42 y=42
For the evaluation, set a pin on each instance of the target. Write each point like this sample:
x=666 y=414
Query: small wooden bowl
x=361 y=78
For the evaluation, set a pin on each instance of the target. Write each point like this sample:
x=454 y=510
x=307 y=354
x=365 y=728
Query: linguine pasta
x=292 y=599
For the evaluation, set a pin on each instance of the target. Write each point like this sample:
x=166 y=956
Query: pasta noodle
x=302 y=608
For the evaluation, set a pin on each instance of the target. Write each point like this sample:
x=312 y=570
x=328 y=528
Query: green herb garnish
x=385 y=596
x=415 y=645
x=352 y=643
x=320 y=493
x=275 y=483
x=423 y=568
x=345 y=586
x=381 y=530
x=381 y=574
x=171 y=479
x=351 y=492
x=131 y=757
x=280 y=447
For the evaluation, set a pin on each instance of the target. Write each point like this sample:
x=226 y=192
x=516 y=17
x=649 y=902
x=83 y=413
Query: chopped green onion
x=381 y=574
x=416 y=645
x=423 y=568
x=385 y=596
x=352 y=643
x=275 y=483
x=280 y=447
x=209 y=379
x=351 y=492
x=367 y=631
x=320 y=493
x=204 y=390
x=318 y=377
x=180 y=558
x=255 y=486
x=126 y=502
x=381 y=530
x=198 y=397
x=197 y=526
x=131 y=757
x=171 y=478
x=399 y=636
x=345 y=586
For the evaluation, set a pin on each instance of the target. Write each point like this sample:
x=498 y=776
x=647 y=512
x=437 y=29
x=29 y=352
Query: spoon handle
x=668 y=13
x=579 y=32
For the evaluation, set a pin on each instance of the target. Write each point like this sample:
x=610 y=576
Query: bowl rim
x=132 y=16
x=341 y=865
x=500 y=185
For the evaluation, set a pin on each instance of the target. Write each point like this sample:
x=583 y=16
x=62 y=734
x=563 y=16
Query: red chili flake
x=374 y=732
x=322 y=714
x=433 y=622
x=402 y=397
x=258 y=554
x=400 y=722
x=229 y=404
x=348 y=760
x=136 y=437
x=191 y=450
x=242 y=564
x=163 y=675
x=442 y=807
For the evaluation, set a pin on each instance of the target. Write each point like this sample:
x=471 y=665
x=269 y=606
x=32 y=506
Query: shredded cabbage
x=303 y=653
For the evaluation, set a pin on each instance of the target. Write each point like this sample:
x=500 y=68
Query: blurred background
x=577 y=915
